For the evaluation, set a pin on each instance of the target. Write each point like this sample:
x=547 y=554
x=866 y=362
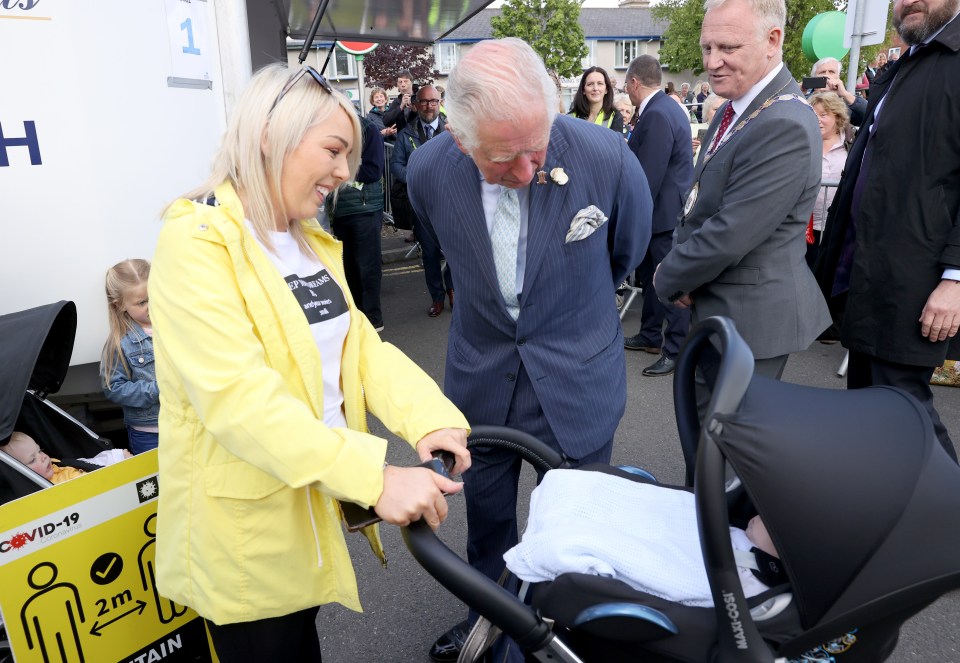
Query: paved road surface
x=406 y=609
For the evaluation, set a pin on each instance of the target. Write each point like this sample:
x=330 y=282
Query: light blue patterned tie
x=504 y=240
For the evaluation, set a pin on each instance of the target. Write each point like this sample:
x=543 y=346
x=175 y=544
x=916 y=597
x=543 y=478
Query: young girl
x=126 y=366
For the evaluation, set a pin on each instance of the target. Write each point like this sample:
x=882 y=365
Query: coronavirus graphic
x=148 y=489
x=19 y=540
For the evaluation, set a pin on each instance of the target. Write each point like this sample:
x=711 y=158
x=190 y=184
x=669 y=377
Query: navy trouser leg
x=432 y=257
x=654 y=311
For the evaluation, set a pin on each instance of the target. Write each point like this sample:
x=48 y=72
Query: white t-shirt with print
x=325 y=307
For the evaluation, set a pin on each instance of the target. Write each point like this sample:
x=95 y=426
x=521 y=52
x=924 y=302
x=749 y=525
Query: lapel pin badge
x=541 y=177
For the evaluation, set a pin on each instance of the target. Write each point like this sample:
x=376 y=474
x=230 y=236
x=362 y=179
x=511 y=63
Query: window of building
x=588 y=59
x=629 y=49
x=343 y=65
x=445 y=55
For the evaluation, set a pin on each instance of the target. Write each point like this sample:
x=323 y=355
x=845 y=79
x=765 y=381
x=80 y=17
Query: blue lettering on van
x=29 y=140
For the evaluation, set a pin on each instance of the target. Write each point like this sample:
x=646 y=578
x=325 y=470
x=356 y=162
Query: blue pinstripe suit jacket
x=568 y=335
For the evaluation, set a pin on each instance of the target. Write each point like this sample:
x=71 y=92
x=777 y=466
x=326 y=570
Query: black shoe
x=448 y=646
x=663 y=366
x=636 y=343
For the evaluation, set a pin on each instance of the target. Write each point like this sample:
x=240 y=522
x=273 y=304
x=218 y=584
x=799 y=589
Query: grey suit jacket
x=568 y=336
x=739 y=251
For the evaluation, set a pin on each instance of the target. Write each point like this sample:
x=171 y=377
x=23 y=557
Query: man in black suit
x=891 y=268
x=416 y=132
x=661 y=141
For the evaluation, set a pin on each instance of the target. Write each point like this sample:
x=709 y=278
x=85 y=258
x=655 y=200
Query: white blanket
x=641 y=534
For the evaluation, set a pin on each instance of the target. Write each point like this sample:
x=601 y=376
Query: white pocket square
x=585 y=223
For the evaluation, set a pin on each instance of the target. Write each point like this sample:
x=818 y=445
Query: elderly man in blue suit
x=540 y=217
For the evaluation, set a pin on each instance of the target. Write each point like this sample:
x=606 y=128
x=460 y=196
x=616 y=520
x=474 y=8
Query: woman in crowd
x=269 y=371
x=594 y=100
x=834 y=120
x=625 y=107
x=378 y=104
x=702 y=94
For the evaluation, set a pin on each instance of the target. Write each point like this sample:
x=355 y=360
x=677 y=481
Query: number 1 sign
x=189 y=44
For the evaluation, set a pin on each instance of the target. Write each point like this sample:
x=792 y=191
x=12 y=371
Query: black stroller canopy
x=856 y=492
x=35 y=350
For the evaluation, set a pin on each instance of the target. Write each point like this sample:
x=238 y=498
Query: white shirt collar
x=741 y=104
x=645 y=102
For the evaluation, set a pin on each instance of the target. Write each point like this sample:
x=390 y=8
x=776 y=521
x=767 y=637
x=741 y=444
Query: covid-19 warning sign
x=78 y=575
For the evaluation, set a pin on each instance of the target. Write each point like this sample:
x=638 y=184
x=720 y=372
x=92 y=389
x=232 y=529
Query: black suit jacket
x=909 y=226
x=661 y=140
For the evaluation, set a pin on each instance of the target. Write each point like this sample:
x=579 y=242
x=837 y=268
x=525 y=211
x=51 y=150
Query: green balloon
x=823 y=36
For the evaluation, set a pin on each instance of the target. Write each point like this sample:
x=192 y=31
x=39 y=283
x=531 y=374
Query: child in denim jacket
x=126 y=366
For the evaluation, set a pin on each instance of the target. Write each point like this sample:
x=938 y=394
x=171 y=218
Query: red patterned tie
x=724 y=125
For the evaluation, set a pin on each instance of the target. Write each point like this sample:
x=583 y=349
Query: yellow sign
x=78 y=575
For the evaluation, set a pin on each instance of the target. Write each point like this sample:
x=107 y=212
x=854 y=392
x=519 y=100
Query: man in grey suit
x=739 y=248
x=540 y=217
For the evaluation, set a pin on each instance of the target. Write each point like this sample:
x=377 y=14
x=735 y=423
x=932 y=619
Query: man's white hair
x=772 y=13
x=501 y=79
x=816 y=65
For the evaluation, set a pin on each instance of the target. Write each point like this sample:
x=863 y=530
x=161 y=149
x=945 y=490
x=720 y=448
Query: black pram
x=35 y=350
x=858 y=496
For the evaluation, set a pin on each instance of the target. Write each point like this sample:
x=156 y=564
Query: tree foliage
x=382 y=65
x=681 y=40
x=551 y=27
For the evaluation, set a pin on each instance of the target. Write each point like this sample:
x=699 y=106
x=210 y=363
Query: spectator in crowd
x=26 y=450
x=378 y=105
x=689 y=98
x=415 y=134
x=877 y=66
x=710 y=106
x=625 y=107
x=269 y=373
x=890 y=262
x=401 y=109
x=831 y=69
x=594 y=100
x=739 y=248
x=356 y=213
x=529 y=199
x=702 y=94
x=441 y=91
x=661 y=142
x=834 y=121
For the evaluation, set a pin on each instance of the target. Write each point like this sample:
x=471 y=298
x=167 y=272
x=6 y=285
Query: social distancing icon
x=79 y=578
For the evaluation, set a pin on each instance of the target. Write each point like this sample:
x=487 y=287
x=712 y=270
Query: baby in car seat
x=642 y=534
x=25 y=449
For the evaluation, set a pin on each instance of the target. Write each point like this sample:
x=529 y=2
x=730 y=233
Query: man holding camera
x=825 y=75
x=401 y=109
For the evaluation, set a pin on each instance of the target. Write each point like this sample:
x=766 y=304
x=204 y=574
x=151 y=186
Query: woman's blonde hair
x=833 y=104
x=261 y=121
x=120 y=278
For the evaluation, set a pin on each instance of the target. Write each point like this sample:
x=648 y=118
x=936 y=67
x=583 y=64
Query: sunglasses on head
x=307 y=69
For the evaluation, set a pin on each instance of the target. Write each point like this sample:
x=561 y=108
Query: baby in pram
x=25 y=449
x=640 y=533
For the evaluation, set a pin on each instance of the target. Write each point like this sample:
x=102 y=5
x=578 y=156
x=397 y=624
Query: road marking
x=399 y=271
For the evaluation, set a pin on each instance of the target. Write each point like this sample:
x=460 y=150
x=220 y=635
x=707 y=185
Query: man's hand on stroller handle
x=453 y=440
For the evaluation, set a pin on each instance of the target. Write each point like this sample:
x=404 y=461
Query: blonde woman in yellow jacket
x=267 y=372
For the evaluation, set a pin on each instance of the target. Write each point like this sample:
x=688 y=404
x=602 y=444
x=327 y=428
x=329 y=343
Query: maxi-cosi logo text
x=41 y=532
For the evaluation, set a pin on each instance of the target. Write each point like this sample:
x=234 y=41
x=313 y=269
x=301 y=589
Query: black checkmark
x=106 y=568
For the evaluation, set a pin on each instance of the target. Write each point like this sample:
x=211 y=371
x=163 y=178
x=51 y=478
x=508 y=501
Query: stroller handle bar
x=514 y=618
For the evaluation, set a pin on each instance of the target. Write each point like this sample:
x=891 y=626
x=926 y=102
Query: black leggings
x=290 y=638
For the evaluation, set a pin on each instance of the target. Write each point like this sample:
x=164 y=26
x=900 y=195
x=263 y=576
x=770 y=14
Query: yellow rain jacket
x=248 y=526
